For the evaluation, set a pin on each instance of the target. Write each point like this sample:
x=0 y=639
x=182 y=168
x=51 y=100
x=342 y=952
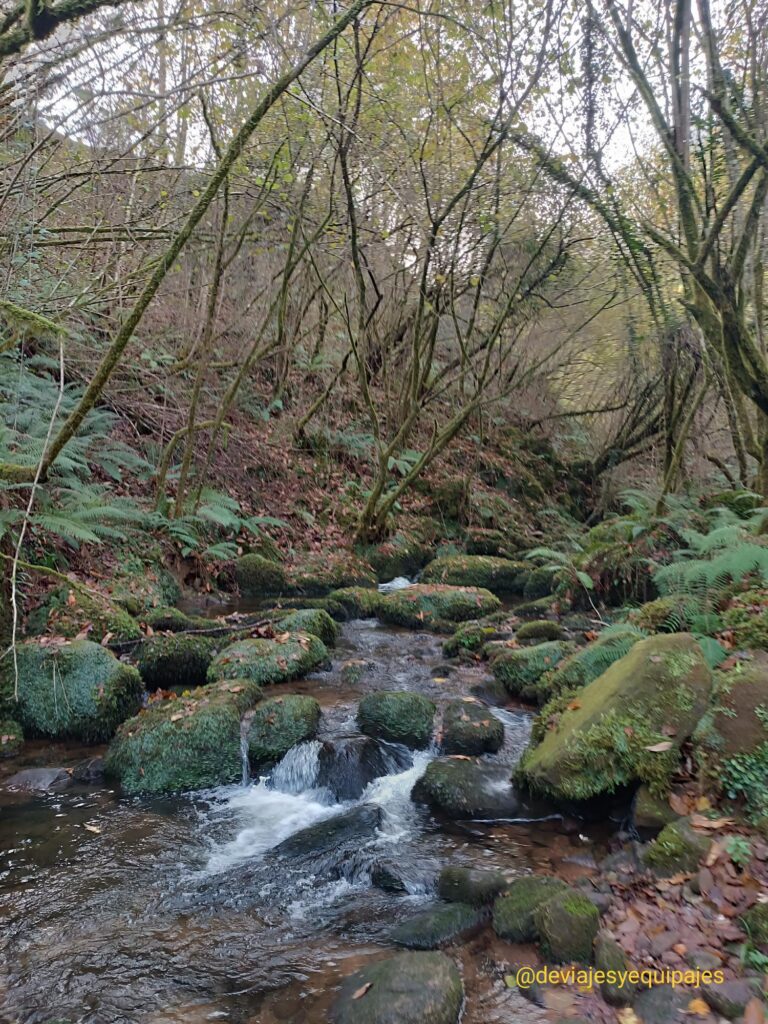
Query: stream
x=220 y=906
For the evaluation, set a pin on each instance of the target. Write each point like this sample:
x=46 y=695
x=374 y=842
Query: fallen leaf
x=680 y=948
x=699 y=821
x=71 y=599
x=660 y=748
x=703 y=804
x=574 y=705
x=439 y=679
x=679 y=804
x=92 y=828
x=360 y=992
x=698 y=1007
x=628 y=1016
x=177 y=716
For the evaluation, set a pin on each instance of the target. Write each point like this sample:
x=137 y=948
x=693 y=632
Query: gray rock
x=730 y=998
x=437 y=927
x=470 y=885
x=661 y=1004
x=410 y=988
x=39 y=779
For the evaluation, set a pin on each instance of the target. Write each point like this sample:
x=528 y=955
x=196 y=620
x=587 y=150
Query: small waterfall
x=297 y=772
x=244 y=758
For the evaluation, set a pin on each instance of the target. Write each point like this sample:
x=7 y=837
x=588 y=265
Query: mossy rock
x=678 y=847
x=474 y=635
x=402 y=554
x=513 y=913
x=432 y=606
x=77 y=691
x=269 y=661
x=279 y=724
x=257 y=576
x=172 y=620
x=747 y=619
x=755 y=922
x=587 y=663
x=178 y=660
x=358 y=602
x=663 y=615
x=539 y=583
x=437 y=927
x=539 y=608
x=11 y=737
x=627 y=725
x=460 y=787
x=470 y=885
x=311 y=620
x=484 y=541
x=610 y=957
x=495 y=574
x=398 y=717
x=566 y=925
x=470 y=728
x=319 y=574
x=142 y=584
x=540 y=629
x=450 y=498
x=68 y=612
x=410 y=988
x=651 y=811
x=184 y=743
x=522 y=671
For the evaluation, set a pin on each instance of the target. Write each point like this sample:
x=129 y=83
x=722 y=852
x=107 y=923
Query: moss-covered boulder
x=755 y=922
x=432 y=606
x=523 y=671
x=269 y=661
x=279 y=724
x=587 y=663
x=539 y=583
x=143 y=583
x=747 y=619
x=494 y=574
x=76 y=690
x=184 y=743
x=566 y=925
x=397 y=716
x=610 y=958
x=460 y=787
x=540 y=629
x=513 y=913
x=474 y=635
x=172 y=620
x=311 y=620
x=667 y=614
x=11 y=737
x=437 y=927
x=257 y=576
x=542 y=606
x=470 y=728
x=69 y=613
x=651 y=811
x=678 y=847
x=178 y=660
x=627 y=725
x=470 y=885
x=358 y=602
x=319 y=574
x=402 y=554
x=410 y=988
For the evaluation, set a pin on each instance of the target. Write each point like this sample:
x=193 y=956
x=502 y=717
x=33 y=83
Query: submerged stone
x=470 y=885
x=278 y=724
x=470 y=728
x=397 y=716
x=514 y=912
x=410 y=988
x=269 y=661
x=437 y=927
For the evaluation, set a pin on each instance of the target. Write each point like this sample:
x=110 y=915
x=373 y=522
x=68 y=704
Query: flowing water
x=249 y=903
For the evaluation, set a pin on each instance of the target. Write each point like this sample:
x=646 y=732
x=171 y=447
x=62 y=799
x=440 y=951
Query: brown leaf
x=93 y=828
x=71 y=599
x=660 y=748
x=698 y=1007
x=574 y=705
x=679 y=804
x=754 y=1012
x=699 y=821
x=360 y=992
x=177 y=716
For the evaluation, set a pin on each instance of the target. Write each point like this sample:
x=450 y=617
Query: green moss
x=651 y=811
x=513 y=913
x=409 y=988
x=400 y=717
x=269 y=661
x=676 y=848
x=404 y=553
x=358 y=602
x=171 y=620
x=589 y=662
x=610 y=957
x=540 y=629
x=495 y=574
x=431 y=606
x=522 y=671
x=473 y=635
x=567 y=925
x=68 y=613
x=664 y=614
x=755 y=922
x=539 y=583
x=311 y=620
x=257 y=576
x=279 y=724
x=11 y=737
x=470 y=728
x=75 y=690
x=143 y=584
x=184 y=743
x=319 y=574
x=178 y=660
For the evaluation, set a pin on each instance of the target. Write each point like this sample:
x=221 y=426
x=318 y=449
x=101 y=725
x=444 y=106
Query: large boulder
x=358 y=602
x=626 y=726
x=346 y=766
x=495 y=574
x=319 y=574
x=470 y=728
x=278 y=724
x=437 y=927
x=431 y=606
x=397 y=716
x=514 y=912
x=523 y=671
x=678 y=847
x=339 y=837
x=587 y=663
x=269 y=661
x=184 y=743
x=70 y=613
x=176 y=660
x=257 y=576
x=410 y=988
x=459 y=787
x=311 y=620
x=77 y=690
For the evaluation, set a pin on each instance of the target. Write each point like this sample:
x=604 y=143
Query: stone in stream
x=610 y=957
x=514 y=912
x=540 y=629
x=349 y=764
x=76 y=690
x=470 y=885
x=437 y=927
x=524 y=671
x=397 y=716
x=278 y=724
x=465 y=788
x=177 y=660
x=257 y=576
x=410 y=988
x=39 y=779
x=339 y=835
x=269 y=661
x=678 y=847
x=566 y=925
x=495 y=574
x=434 y=606
x=310 y=620
x=470 y=728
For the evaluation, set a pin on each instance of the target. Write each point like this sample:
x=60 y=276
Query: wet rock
x=495 y=574
x=178 y=660
x=269 y=661
x=677 y=847
x=350 y=764
x=397 y=716
x=540 y=629
x=651 y=812
x=434 y=928
x=76 y=690
x=730 y=998
x=610 y=957
x=334 y=835
x=39 y=779
x=472 y=636
x=279 y=724
x=514 y=913
x=661 y=1004
x=433 y=606
x=470 y=885
x=466 y=789
x=567 y=924
x=311 y=620
x=628 y=725
x=523 y=671
x=410 y=988
x=470 y=728
x=90 y=772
